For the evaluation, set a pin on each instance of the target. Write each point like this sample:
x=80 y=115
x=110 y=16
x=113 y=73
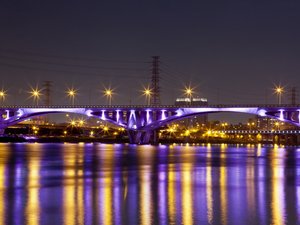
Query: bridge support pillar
x=2 y=130
x=142 y=137
x=155 y=137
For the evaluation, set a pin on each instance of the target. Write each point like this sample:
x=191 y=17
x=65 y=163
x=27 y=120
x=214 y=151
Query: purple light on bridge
x=281 y=115
x=148 y=119
x=262 y=112
x=132 y=114
x=118 y=116
x=7 y=115
x=179 y=112
x=89 y=113
x=103 y=115
x=20 y=113
x=163 y=115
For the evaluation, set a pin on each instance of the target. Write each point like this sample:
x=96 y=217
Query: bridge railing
x=155 y=106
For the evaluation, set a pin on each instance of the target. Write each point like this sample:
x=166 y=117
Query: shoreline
x=9 y=139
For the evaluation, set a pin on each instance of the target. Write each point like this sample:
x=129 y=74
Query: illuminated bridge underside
x=142 y=121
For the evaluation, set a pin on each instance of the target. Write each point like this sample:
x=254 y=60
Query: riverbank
x=6 y=139
x=60 y=139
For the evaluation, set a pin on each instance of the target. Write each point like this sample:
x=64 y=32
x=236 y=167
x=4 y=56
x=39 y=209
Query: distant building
x=191 y=101
x=265 y=123
x=197 y=102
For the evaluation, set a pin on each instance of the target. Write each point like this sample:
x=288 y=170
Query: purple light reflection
x=162 y=192
x=126 y=184
x=298 y=191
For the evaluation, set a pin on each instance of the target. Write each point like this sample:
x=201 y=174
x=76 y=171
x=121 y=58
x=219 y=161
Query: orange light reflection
x=209 y=196
x=32 y=207
x=223 y=184
x=145 y=158
x=277 y=197
x=4 y=153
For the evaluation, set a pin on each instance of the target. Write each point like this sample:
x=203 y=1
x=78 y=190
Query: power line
x=26 y=67
x=69 y=64
x=35 y=54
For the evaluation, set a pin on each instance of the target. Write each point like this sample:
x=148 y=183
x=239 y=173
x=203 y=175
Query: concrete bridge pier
x=2 y=130
x=142 y=137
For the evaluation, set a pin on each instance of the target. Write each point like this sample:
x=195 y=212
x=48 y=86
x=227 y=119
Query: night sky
x=232 y=51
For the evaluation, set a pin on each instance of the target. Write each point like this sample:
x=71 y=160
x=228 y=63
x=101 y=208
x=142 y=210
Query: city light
x=279 y=90
x=36 y=94
x=73 y=123
x=81 y=122
x=71 y=92
x=250 y=125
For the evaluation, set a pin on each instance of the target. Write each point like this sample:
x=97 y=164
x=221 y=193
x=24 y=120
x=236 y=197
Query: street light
x=2 y=95
x=279 y=90
x=147 y=92
x=71 y=92
x=188 y=91
x=108 y=92
x=35 y=93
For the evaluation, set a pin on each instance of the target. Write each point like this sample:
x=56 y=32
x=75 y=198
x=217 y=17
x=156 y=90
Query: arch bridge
x=140 y=121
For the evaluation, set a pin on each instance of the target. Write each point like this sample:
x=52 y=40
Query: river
x=143 y=184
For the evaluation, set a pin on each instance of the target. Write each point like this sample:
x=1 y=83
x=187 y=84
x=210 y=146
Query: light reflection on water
x=128 y=184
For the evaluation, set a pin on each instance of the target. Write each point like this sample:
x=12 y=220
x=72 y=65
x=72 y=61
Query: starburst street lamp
x=35 y=93
x=108 y=92
x=71 y=92
x=279 y=90
x=2 y=95
x=147 y=92
x=189 y=91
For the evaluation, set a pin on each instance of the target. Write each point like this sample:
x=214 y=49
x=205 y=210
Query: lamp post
x=279 y=90
x=35 y=94
x=2 y=95
x=108 y=93
x=72 y=94
x=189 y=93
x=147 y=93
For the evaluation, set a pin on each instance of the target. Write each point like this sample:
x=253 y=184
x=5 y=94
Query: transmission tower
x=47 y=99
x=155 y=98
x=293 y=95
x=47 y=92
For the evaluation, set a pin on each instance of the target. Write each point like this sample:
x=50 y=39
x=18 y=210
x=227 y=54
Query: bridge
x=141 y=121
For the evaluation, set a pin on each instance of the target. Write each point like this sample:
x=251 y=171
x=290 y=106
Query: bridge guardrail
x=154 y=106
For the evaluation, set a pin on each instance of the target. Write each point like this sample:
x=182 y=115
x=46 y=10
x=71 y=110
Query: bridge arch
x=142 y=121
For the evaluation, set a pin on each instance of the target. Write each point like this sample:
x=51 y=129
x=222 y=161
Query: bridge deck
x=155 y=106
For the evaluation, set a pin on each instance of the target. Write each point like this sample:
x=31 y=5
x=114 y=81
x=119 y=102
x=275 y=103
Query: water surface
x=129 y=184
